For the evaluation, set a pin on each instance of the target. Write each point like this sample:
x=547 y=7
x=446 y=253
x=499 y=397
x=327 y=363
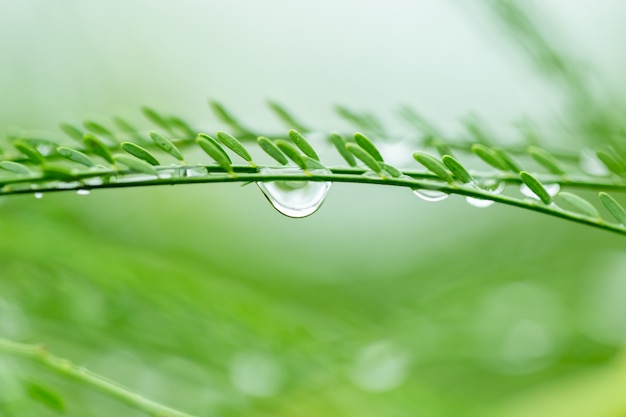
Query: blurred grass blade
x=368 y=146
x=615 y=208
x=303 y=144
x=580 y=204
x=96 y=146
x=433 y=165
x=286 y=117
x=536 y=187
x=166 y=145
x=157 y=119
x=182 y=126
x=225 y=116
x=139 y=152
x=340 y=144
x=45 y=396
x=489 y=156
x=58 y=172
x=29 y=151
x=508 y=160
x=15 y=167
x=545 y=159
x=612 y=161
x=272 y=150
x=72 y=131
x=98 y=129
x=75 y=156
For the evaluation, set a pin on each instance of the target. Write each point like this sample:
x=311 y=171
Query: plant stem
x=66 y=368
x=413 y=180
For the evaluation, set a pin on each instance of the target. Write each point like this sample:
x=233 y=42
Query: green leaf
x=545 y=159
x=98 y=129
x=30 y=152
x=72 y=131
x=135 y=164
x=129 y=129
x=417 y=121
x=365 y=157
x=15 y=167
x=291 y=153
x=391 y=170
x=457 y=169
x=579 y=204
x=536 y=187
x=340 y=144
x=45 y=396
x=156 y=118
x=58 y=172
x=182 y=126
x=96 y=146
x=313 y=164
x=612 y=161
x=368 y=146
x=272 y=150
x=508 y=160
x=615 y=208
x=166 y=145
x=441 y=147
x=75 y=156
x=215 y=151
x=286 y=117
x=234 y=145
x=489 y=156
x=302 y=143
x=226 y=117
x=363 y=121
x=139 y=152
x=433 y=165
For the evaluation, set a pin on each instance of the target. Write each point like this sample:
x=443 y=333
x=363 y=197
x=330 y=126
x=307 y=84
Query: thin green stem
x=66 y=368
x=413 y=180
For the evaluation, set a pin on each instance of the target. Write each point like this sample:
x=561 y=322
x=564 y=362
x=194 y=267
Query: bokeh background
x=379 y=304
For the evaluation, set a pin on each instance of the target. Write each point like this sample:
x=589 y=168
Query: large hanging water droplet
x=430 y=195
x=82 y=191
x=38 y=196
x=552 y=189
x=295 y=198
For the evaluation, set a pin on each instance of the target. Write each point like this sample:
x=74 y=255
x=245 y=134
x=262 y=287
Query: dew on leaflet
x=38 y=196
x=82 y=191
x=430 y=195
x=552 y=189
x=295 y=198
x=478 y=202
x=491 y=186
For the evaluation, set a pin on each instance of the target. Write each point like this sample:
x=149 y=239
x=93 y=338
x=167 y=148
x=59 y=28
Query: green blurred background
x=380 y=304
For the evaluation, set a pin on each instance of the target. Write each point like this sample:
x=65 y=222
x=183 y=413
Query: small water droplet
x=199 y=171
x=590 y=164
x=479 y=202
x=295 y=198
x=82 y=191
x=38 y=196
x=552 y=189
x=430 y=195
x=93 y=181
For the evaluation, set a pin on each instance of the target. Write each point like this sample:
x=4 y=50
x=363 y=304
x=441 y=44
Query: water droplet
x=294 y=198
x=256 y=374
x=479 y=202
x=430 y=195
x=199 y=171
x=552 y=189
x=590 y=164
x=380 y=367
x=82 y=191
x=175 y=172
x=93 y=181
x=491 y=186
x=38 y=196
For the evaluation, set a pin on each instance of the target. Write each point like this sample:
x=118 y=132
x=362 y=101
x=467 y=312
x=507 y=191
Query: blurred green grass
x=205 y=298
